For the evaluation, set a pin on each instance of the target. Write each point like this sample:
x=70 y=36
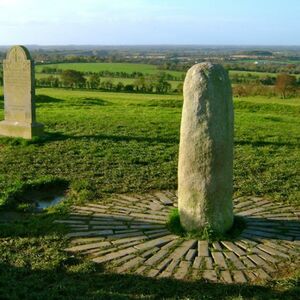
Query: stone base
x=22 y=130
x=128 y=234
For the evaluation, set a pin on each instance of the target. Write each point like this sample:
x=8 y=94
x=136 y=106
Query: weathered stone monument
x=19 y=92
x=206 y=150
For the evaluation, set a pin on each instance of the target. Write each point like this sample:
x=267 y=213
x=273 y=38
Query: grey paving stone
x=203 y=248
x=165 y=274
x=123 y=259
x=129 y=198
x=225 y=276
x=262 y=274
x=112 y=227
x=156 y=257
x=128 y=239
x=90 y=233
x=146 y=226
x=198 y=262
x=133 y=263
x=126 y=231
x=210 y=275
x=239 y=277
x=235 y=260
x=148 y=217
x=156 y=242
x=134 y=243
x=140 y=270
x=264 y=255
x=153 y=273
x=149 y=253
x=243 y=204
x=234 y=248
x=86 y=240
x=158 y=234
x=163 y=198
x=172 y=265
x=208 y=263
x=251 y=211
x=247 y=262
x=79 y=228
x=162 y=265
x=99 y=252
x=70 y=222
x=250 y=275
x=182 y=269
x=260 y=262
x=89 y=209
x=88 y=246
x=170 y=244
x=127 y=234
x=191 y=254
x=180 y=251
x=114 y=255
x=219 y=259
x=280 y=247
x=272 y=251
x=217 y=246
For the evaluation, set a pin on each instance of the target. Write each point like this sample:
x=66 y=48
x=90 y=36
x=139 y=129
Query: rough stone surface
x=19 y=92
x=142 y=252
x=206 y=150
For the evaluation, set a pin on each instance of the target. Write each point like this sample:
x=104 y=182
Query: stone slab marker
x=206 y=150
x=19 y=92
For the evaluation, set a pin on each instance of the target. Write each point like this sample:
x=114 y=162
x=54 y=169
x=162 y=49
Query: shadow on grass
x=57 y=136
x=61 y=283
x=17 y=224
x=46 y=99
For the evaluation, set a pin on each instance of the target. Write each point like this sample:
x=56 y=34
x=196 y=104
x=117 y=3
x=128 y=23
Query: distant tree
x=72 y=78
x=286 y=84
x=107 y=85
x=93 y=81
x=119 y=86
x=179 y=88
x=140 y=84
x=162 y=86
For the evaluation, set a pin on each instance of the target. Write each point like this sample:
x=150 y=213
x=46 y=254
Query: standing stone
x=206 y=150
x=19 y=92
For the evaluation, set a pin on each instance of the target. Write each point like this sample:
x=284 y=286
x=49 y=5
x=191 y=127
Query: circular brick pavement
x=128 y=234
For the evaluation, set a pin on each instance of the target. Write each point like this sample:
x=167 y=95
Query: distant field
x=112 y=67
x=130 y=68
x=115 y=81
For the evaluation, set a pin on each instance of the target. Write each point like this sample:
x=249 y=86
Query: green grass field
x=112 y=67
x=106 y=143
x=115 y=81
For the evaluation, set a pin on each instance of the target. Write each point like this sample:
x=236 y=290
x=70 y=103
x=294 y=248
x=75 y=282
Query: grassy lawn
x=106 y=143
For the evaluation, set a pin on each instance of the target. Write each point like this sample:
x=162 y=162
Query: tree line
x=111 y=74
x=270 y=67
x=157 y=83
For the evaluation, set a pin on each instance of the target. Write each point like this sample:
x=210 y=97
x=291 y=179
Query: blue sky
x=121 y=22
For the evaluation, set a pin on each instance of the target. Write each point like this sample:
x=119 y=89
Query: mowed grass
x=106 y=143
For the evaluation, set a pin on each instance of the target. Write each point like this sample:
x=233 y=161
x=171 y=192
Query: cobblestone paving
x=129 y=235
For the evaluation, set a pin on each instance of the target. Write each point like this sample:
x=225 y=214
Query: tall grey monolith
x=19 y=92
x=206 y=150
